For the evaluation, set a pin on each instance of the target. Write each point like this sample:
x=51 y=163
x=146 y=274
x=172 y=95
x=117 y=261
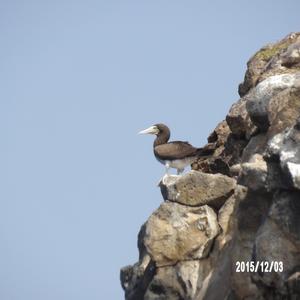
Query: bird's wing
x=175 y=150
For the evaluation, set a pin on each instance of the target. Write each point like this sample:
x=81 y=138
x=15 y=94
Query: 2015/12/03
x=261 y=266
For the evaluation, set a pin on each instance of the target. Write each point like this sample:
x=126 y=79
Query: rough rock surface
x=198 y=188
x=241 y=204
x=175 y=233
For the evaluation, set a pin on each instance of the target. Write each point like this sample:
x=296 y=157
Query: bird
x=175 y=154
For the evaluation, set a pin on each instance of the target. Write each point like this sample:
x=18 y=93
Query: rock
x=228 y=151
x=234 y=148
x=256 y=145
x=175 y=232
x=293 y=284
x=283 y=110
x=287 y=59
x=239 y=120
x=189 y=247
x=220 y=133
x=285 y=147
x=278 y=240
x=232 y=245
x=235 y=170
x=269 y=60
x=293 y=170
x=254 y=173
x=176 y=282
x=135 y=280
x=252 y=207
x=255 y=67
x=217 y=284
x=218 y=165
x=215 y=163
x=197 y=188
x=291 y=58
x=226 y=222
x=257 y=101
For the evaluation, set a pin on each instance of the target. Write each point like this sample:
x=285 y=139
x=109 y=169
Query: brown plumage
x=175 y=154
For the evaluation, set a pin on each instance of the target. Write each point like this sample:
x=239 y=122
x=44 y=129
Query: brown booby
x=176 y=154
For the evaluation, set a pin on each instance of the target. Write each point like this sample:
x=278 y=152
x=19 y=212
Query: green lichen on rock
x=266 y=53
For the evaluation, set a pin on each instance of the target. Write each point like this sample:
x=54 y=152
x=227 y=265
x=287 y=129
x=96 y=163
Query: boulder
x=198 y=188
x=258 y=99
x=176 y=232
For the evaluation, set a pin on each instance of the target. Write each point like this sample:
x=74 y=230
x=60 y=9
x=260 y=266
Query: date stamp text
x=258 y=266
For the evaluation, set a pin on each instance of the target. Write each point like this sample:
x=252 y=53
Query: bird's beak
x=150 y=130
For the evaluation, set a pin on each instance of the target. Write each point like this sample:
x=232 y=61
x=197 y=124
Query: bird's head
x=155 y=129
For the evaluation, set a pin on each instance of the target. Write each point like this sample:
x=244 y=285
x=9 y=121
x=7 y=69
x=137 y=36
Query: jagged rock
x=270 y=60
x=258 y=218
x=257 y=101
x=179 y=282
x=239 y=120
x=219 y=135
x=197 y=188
x=136 y=279
x=176 y=232
x=255 y=67
x=284 y=109
x=228 y=151
x=215 y=163
x=285 y=59
x=285 y=147
x=291 y=58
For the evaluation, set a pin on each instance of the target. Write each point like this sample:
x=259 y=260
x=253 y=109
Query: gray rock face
x=253 y=174
x=198 y=188
x=278 y=239
x=242 y=203
x=176 y=282
x=285 y=147
x=259 y=100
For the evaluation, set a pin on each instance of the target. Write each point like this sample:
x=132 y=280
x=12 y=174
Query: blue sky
x=78 y=80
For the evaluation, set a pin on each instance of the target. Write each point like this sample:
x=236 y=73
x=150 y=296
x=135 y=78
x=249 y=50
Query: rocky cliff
x=241 y=204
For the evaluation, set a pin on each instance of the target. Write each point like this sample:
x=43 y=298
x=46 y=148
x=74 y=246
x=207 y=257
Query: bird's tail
x=207 y=150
